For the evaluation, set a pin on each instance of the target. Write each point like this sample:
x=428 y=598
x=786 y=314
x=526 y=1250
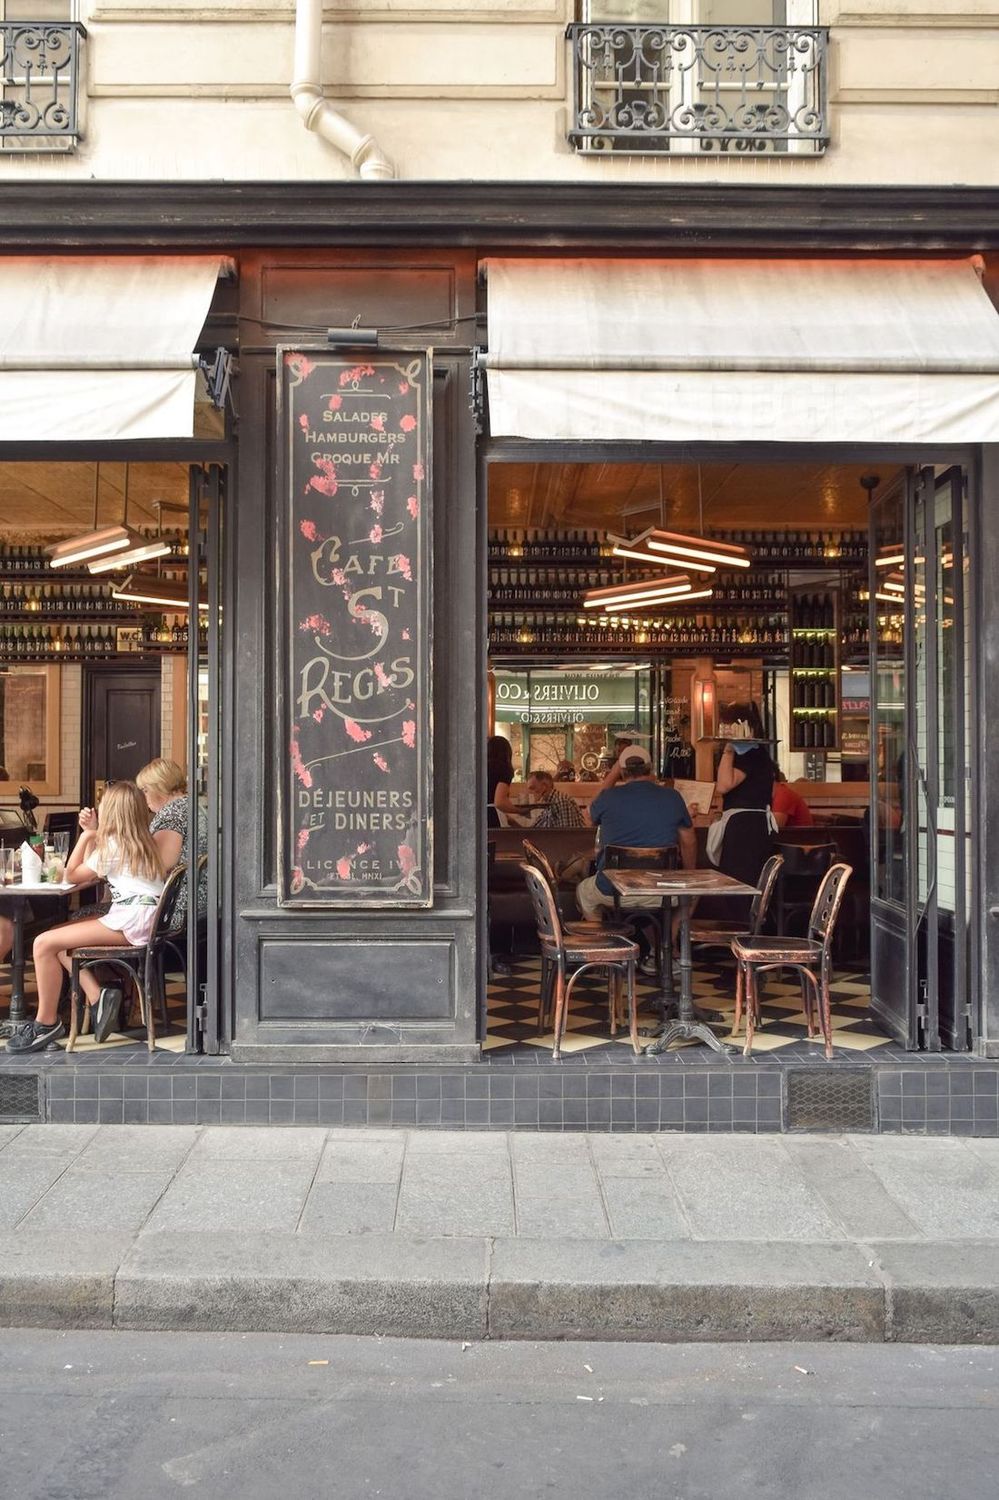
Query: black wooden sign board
x=354 y=570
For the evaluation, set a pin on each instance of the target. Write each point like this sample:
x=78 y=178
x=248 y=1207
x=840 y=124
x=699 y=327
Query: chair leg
x=747 y=1050
x=613 y=996
x=559 y=1012
x=74 y=1001
x=804 y=979
x=739 y=996
x=544 y=998
x=826 y=1012
x=636 y=1045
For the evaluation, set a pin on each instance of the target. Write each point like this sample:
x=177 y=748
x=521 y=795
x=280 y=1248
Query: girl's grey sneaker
x=106 y=1012
x=31 y=1037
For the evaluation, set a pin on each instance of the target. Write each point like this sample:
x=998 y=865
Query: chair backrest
x=624 y=857
x=828 y=899
x=764 y=893
x=166 y=907
x=545 y=910
x=539 y=860
x=808 y=860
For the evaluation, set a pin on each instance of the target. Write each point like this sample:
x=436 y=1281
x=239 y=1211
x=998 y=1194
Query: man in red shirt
x=790 y=810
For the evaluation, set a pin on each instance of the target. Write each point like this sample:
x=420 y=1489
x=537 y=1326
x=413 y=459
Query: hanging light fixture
x=143 y=588
x=693 y=552
x=100 y=542
x=659 y=602
x=628 y=594
x=637 y=548
x=137 y=548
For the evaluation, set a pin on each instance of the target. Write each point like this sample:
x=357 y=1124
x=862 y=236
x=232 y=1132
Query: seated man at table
x=634 y=811
x=557 y=810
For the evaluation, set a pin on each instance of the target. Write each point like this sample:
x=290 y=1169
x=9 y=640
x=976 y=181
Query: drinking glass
x=60 y=843
x=7 y=866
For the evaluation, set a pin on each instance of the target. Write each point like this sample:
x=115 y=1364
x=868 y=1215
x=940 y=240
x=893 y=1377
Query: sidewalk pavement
x=462 y=1234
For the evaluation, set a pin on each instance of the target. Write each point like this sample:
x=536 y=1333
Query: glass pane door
x=920 y=761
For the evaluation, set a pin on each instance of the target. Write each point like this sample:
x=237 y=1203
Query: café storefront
x=349 y=555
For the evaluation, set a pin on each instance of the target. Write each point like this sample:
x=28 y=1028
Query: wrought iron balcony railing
x=648 y=89
x=40 y=71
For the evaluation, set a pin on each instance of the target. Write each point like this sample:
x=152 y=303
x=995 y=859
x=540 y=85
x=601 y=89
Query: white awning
x=731 y=350
x=101 y=347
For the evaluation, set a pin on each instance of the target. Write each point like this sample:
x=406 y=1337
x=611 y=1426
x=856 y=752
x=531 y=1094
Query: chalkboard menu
x=355 y=570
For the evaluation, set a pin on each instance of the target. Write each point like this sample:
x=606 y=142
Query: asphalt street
x=111 y=1416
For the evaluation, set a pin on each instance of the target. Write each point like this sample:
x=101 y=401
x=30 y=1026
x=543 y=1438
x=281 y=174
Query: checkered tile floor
x=513 y=1011
x=171 y=1039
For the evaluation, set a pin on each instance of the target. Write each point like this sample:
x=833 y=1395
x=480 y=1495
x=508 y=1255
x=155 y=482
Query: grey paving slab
x=423 y=1167
x=53 y=1281
x=87 y=1200
x=370 y=1284
x=853 y=1194
x=362 y=1161
x=749 y=1187
x=946 y=1190
x=578 y=1289
x=471 y=1144
x=944 y=1292
x=23 y=1182
x=455 y=1205
x=350 y=1208
x=535 y=1180
x=640 y=1208
x=627 y=1156
x=8 y=1133
x=212 y=1196
x=47 y=1140
x=122 y=1149
x=561 y=1218
x=258 y=1143
x=555 y=1148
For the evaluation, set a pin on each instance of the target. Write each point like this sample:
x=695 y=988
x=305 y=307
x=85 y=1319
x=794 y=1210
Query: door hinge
x=200 y=1024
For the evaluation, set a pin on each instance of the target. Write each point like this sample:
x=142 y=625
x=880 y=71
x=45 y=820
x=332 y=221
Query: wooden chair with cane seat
x=579 y=953
x=142 y=964
x=811 y=956
x=718 y=932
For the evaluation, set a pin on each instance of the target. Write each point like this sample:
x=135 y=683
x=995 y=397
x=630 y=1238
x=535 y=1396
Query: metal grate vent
x=19 y=1097
x=840 y=1099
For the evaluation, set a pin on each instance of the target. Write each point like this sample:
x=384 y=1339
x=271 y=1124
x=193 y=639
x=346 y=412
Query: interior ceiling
x=50 y=500
x=626 y=497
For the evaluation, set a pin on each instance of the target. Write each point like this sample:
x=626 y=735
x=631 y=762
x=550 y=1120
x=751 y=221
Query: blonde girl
x=116 y=846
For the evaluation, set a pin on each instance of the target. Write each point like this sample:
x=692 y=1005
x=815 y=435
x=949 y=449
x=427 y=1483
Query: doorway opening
x=109 y=668
x=843 y=647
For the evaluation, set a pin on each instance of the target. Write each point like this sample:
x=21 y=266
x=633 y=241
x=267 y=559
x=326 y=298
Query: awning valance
x=94 y=348
x=734 y=350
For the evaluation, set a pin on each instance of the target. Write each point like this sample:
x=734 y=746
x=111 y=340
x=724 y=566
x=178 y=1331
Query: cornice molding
x=70 y=215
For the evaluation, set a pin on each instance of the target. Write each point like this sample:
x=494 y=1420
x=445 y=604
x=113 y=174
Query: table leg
x=687 y=1026
x=17 y=1008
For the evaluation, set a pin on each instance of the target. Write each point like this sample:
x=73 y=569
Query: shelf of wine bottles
x=84 y=642
x=519 y=632
x=815 y=669
x=798 y=549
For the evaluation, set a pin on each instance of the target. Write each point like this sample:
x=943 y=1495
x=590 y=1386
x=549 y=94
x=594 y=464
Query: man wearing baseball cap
x=634 y=811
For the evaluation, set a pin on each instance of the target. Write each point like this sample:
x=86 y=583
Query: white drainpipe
x=312 y=104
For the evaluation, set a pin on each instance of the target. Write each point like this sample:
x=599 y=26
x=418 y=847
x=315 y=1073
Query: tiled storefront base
x=691 y=1090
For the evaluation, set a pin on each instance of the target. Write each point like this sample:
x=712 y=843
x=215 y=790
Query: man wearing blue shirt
x=634 y=811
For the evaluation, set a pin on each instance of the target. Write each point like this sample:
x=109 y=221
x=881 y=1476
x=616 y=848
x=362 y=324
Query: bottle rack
x=90 y=642
x=541 y=632
x=801 y=549
x=815 y=669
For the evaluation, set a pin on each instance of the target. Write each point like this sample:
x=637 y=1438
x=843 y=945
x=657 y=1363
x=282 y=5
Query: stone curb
x=475 y=1288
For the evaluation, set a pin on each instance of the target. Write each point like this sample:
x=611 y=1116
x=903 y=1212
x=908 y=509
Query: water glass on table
x=7 y=866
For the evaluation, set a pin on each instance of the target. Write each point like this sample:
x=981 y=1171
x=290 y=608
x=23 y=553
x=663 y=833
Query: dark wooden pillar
x=336 y=985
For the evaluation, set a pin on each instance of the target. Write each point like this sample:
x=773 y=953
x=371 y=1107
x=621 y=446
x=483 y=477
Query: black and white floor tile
x=513 y=1011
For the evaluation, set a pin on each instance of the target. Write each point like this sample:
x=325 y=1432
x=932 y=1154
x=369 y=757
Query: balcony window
x=41 y=48
x=710 y=77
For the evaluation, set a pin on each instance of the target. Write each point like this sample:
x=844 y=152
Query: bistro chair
x=718 y=932
x=143 y=964
x=539 y=860
x=811 y=956
x=568 y=955
x=804 y=868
